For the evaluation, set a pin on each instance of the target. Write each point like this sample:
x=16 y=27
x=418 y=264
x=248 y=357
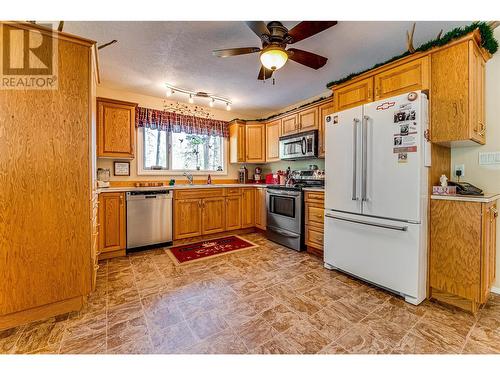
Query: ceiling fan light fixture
x=273 y=57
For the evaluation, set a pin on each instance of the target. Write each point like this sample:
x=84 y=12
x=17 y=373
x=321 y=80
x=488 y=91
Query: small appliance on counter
x=243 y=175
x=103 y=176
x=285 y=208
x=272 y=179
x=257 y=176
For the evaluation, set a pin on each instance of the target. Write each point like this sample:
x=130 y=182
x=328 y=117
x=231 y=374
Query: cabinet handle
x=482 y=129
x=495 y=211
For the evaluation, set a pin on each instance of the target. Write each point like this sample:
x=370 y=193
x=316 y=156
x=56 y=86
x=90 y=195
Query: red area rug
x=209 y=248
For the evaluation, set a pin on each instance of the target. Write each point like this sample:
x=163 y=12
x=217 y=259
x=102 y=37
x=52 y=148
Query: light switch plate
x=460 y=167
x=488 y=158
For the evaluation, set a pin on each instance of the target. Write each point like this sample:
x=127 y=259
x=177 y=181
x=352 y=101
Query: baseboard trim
x=495 y=289
x=40 y=312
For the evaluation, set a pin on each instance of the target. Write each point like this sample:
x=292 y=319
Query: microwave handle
x=303 y=145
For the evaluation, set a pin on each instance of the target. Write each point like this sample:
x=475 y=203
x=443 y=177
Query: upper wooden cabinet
x=308 y=119
x=112 y=222
x=411 y=76
x=255 y=143
x=457 y=89
x=115 y=128
x=323 y=110
x=237 y=142
x=350 y=95
x=272 y=140
x=289 y=124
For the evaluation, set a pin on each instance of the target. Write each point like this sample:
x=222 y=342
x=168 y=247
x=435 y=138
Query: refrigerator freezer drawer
x=384 y=252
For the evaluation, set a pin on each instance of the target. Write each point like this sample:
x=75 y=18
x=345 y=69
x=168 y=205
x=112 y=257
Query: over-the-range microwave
x=299 y=146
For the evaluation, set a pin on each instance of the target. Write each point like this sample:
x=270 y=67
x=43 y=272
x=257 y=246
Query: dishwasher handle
x=141 y=195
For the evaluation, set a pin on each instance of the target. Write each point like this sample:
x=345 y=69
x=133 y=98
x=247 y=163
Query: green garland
x=283 y=113
x=488 y=42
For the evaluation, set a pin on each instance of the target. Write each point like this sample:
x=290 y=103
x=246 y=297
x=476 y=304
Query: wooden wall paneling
x=45 y=231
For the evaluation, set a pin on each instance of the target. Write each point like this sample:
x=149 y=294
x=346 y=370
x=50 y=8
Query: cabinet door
x=353 y=94
x=112 y=220
x=308 y=119
x=187 y=218
x=324 y=110
x=411 y=76
x=247 y=207
x=115 y=129
x=233 y=212
x=272 y=140
x=255 y=143
x=234 y=146
x=260 y=208
x=289 y=124
x=476 y=94
x=214 y=215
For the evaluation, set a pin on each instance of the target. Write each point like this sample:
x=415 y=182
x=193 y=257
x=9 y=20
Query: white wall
x=486 y=177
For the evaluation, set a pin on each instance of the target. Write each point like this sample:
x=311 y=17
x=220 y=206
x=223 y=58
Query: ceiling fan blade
x=265 y=73
x=258 y=27
x=305 y=29
x=235 y=51
x=306 y=58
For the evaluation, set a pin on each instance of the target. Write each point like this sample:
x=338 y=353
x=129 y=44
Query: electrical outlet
x=461 y=168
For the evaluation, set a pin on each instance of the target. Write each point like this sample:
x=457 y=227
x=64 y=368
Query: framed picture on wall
x=121 y=168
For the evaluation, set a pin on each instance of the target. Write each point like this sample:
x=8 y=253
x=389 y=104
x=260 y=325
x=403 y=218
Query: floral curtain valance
x=177 y=123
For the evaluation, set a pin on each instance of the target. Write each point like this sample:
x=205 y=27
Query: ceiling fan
x=275 y=37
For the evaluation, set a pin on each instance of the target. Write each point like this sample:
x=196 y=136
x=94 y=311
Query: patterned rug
x=199 y=250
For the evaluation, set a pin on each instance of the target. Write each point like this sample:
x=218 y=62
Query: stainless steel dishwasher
x=149 y=218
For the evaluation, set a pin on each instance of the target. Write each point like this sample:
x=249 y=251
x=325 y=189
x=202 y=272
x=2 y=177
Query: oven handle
x=283 y=233
x=283 y=192
x=386 y=226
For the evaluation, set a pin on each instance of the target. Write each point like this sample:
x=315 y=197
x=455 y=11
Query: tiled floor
x=264 y=300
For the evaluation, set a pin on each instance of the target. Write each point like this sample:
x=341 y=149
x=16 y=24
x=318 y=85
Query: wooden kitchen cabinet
x=237 y=142
x=115 y=128
x=352 y=94
x=214 y=215
x=314 y=204
x=290 y=124
x=411 y=76
x=323 y=110
x=233 y=211
x=308 y=119
x=260 y=208
x=272 y=140
x=187 y=218
x=247 y=207
x=462 y=252
x=457 y=88
x=112 y=225
x=255 y=143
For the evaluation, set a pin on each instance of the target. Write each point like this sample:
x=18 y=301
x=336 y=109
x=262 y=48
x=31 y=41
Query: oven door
x=284 y=209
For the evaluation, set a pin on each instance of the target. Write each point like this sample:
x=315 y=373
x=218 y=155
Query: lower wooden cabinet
x=247 y=207
x=314 y=221
x=462 y=256
x=233 y=212
x=213 y=215
x=112 y=223
x=260 y=208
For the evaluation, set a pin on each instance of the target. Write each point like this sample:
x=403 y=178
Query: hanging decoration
x=488 y=42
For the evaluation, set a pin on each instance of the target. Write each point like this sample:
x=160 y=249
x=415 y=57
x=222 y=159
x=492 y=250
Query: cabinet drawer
x=314 y=236
x=315 y=196
x=198 y=193
x=233 y=191
x=315 y=214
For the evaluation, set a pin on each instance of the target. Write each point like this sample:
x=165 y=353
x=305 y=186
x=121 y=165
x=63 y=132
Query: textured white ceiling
x=148 y=54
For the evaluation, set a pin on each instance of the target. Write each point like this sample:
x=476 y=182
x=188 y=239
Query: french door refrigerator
x=376 y=193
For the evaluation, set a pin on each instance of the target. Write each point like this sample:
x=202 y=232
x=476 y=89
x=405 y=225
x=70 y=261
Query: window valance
x=177 y=123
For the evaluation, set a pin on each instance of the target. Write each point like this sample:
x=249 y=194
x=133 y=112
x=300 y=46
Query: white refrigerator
x=376 y=193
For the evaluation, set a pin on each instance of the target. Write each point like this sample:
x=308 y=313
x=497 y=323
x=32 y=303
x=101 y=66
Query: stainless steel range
x=285 y=208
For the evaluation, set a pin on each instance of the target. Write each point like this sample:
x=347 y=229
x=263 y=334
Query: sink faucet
x=189 y=176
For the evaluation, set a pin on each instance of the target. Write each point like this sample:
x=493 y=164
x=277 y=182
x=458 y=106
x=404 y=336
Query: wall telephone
x=464 y=188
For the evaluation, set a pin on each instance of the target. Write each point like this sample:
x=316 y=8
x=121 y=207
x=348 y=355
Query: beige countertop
x=486 y=198
x=174 y=187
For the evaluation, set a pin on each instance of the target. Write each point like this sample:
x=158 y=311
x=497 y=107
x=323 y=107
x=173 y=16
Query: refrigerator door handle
x=386 y=226
x=355 y=122
x=364 y=161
